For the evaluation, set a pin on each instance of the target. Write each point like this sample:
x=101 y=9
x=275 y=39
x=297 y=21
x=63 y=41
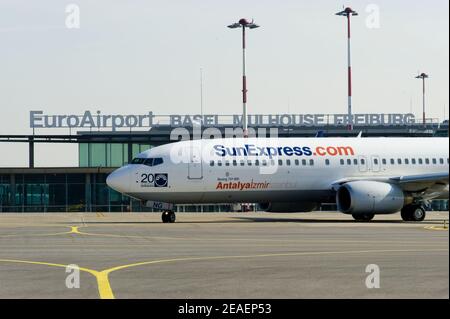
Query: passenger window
x=399 y=161
x=234 y=163
x=272 y=162
x=413 y=161
x=257 y=163
x=420 y=161
x=227 y=163
x=211 y=163
x=242 y=163
x=434 y=161
x=427 y=161
x=219 y=163
x=311 y=162
x=342 y=161
x=441 y=161
x=297 y=162
x=375 y=161
x=288 y=162
x=406 y=161
x=349 y=161
x=249 y=163
x=304 y=162
x=392 y=161
x=327 y=162
x=355 y=161
x=264 y=162
x=280 y=162
x=384 y=161
x=363 y=161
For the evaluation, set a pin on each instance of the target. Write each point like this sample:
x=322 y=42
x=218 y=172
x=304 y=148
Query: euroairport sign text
x=38 y=119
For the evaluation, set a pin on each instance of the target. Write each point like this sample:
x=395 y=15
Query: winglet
x=359 y=134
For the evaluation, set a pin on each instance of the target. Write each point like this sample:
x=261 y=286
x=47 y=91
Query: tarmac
x=222 y=255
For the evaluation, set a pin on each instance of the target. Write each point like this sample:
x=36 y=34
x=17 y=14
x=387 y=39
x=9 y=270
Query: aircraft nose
x=119 y=180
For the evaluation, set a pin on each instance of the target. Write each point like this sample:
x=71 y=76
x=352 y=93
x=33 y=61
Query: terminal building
x=84 y=189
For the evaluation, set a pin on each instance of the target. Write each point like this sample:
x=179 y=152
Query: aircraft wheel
x=415 y=213
x=172 y=217
x=165 y=217
x=168 y=217
x=406 y=213
x=418 y=213
x=363 y=217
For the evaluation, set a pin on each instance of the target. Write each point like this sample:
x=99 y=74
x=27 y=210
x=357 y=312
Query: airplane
x=363 y=176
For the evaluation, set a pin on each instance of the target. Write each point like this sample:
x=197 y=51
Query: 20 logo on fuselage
x=154 y=180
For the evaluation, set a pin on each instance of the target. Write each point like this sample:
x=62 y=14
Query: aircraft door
x=362 y=163
x=376 y=165
x=195 y=167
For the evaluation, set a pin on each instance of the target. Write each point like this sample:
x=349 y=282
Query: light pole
x=348 y=12
x=423 y=76
x=243 y=23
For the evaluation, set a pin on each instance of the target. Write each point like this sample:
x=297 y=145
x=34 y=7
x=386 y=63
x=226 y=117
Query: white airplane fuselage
x=265 y=170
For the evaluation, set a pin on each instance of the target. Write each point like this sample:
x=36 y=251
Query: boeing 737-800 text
x=363 y=176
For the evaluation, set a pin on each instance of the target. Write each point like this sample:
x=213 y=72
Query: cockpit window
x=157 y=161
x=149 y=162
x=138 y=160
x=153 y=161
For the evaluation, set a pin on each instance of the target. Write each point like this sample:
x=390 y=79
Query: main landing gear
x=413 y=213
x=168 y=216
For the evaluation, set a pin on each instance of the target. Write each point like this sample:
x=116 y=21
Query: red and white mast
x=243 y=23
x=348 y=12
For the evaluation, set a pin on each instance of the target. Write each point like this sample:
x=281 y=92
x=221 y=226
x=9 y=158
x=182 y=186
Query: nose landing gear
x=168 y=216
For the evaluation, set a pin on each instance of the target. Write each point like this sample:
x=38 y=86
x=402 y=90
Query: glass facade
x=59 y=192
x=107 y=154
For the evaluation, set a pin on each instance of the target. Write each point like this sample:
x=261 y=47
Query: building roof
x=55 y=170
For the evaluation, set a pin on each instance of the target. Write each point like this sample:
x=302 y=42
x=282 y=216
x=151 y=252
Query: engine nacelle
x=361 y=197
x=282 y=207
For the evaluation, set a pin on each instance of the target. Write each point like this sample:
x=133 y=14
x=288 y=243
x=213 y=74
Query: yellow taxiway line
x=104 y=286
x=73 y=230
x=76 y=230
x=436 y=228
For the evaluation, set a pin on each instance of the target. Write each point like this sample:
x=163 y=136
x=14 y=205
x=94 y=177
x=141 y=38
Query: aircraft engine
x=369 y=197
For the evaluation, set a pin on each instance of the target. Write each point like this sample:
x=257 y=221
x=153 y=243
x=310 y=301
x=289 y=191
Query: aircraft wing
x=422 y=178
x=426 y=186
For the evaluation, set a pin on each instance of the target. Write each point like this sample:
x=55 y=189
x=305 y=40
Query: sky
x=135 y=56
